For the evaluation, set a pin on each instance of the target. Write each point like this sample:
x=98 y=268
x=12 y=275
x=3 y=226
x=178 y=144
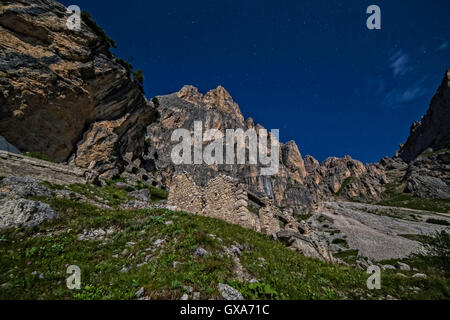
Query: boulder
x=229 y=293
x=24 y=213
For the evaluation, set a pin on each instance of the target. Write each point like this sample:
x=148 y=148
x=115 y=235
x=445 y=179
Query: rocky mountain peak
x=221 y=99
x=292 y=158
x=433 y=131
x=190 y=94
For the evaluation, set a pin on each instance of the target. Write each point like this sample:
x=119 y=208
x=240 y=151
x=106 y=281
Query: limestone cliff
x=62 y=93
x=433 y=131
x=299 y=184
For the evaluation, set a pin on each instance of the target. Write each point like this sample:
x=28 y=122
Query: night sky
x=310 y=68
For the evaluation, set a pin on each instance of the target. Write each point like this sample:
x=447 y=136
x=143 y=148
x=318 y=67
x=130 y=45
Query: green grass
x=303 y=217
x=429 y=154
x=345 y=183
x=340 y=241
x=392 y=197
x=33 y=262
x=40 y=156
x=253 y=209
x=349 y=256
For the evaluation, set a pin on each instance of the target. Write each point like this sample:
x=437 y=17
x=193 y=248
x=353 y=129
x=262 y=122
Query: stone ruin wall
x=222 y=198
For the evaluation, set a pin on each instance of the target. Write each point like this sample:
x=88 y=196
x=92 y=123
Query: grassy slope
x=392 y=197
x=32 y=262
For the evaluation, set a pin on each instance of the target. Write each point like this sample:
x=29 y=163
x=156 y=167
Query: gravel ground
x=377 y=236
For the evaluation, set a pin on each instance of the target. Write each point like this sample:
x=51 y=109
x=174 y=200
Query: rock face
x=345 y=177
x=63 y=93
x=217 y=110
x=19 y=165
x=433 y=131
x=426 y=153
x=428 y=176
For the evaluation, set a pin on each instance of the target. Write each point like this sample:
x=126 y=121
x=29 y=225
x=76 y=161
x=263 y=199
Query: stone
x=24 y=213
x=200 y=252
x=188 y=289
x=184 y=297
x=22 y=187
x=143 y=195
x=196 y=296
x=229 y=293
x=361 y=264
x=402 y=266
x=235 y=250
x=140 y=293
x=420 y=276
x=388 y=267
x=6 y=146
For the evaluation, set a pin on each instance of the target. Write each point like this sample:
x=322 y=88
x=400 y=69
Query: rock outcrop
x=16 y=210
x=345 y=177
x=426 y=153
x=6 y=146
x=433 y=131
x=217 y=110
x=62 y=93
x=20 y=165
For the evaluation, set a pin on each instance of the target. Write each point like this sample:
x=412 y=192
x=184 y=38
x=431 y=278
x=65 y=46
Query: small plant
x=155 y=101
x=97 y=29
x=303 y=217
x=256 y=290
x=340 y=241
x=126 y=64
x=253 y=209
x=138 y=76
x=346 y=182
x=158 y=194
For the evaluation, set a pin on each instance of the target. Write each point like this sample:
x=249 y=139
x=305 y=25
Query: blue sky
x=310 y=68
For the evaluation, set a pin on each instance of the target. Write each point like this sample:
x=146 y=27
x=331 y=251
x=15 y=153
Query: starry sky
x=310 y=68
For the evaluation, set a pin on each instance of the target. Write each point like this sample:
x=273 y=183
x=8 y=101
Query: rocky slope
x=433 y=131
x=63 y=94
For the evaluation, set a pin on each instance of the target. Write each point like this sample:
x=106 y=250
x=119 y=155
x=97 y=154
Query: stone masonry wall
x=222 y=198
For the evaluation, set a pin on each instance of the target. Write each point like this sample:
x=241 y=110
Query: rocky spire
x=433 y=131
x=222 y=100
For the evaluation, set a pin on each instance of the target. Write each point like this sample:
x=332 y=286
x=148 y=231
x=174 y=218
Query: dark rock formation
x=429 y=175
x=433 y=131
x=62 y=92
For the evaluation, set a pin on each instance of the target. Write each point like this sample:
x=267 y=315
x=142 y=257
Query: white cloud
x=399 y=63
x=401 y=96
x=444 y=45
